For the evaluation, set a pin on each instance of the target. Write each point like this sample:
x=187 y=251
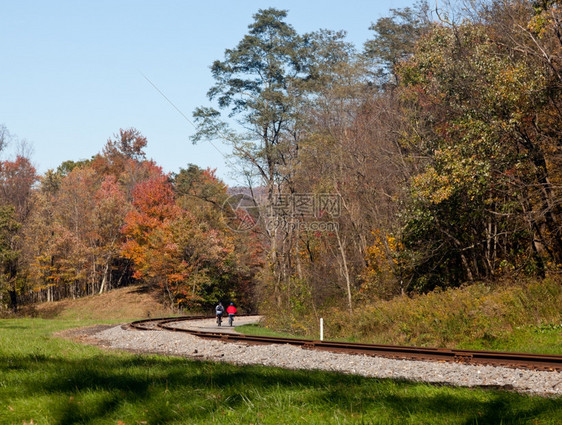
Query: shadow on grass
x=49 y=311
x=165 y=390
x=142 y=289
x=11 y=326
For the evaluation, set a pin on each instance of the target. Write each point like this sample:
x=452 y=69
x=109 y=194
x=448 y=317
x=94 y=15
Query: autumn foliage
x=431 y=159
x=114 y=220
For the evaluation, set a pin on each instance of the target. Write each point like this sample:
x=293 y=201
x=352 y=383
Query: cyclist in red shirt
x=231 y=311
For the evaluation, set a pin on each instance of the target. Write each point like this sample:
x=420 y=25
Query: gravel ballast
x=292 y=357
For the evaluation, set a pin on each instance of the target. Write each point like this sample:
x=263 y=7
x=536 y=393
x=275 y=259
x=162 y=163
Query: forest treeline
x=117 y=219
x=427 y=159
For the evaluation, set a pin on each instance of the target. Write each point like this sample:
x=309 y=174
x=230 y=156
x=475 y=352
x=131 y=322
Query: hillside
x=133 y=302
x=520 y=316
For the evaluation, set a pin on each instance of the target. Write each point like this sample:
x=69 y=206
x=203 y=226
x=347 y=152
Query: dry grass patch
x=133 y=302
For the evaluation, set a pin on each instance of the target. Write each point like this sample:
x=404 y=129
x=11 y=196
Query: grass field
x=49 y=380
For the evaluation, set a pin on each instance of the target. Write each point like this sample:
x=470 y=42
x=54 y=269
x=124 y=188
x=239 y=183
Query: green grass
x=53 y=381
x=543 y=339
x=257 y=329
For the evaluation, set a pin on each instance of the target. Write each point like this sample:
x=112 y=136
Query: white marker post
x=321 y=329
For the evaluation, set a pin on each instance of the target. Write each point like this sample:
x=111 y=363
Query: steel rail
x=548 y=362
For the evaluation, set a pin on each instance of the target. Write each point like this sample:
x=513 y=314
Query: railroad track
x=494 y=358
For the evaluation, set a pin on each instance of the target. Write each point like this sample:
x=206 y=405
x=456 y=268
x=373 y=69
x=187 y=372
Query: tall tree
x=111 y=209
x=4 y=137
x=10 y=282
x=256 y=83
x=263 y=83
x=395 y=38
x=153 y=211
x=16 y=182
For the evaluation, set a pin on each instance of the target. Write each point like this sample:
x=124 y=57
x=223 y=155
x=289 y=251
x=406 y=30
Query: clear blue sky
x=71 y=72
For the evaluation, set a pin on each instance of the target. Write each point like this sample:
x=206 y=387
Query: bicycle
x=230 y=319
x=219 y=319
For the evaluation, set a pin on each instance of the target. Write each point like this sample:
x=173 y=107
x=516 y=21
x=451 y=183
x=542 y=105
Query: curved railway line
x=492 y=358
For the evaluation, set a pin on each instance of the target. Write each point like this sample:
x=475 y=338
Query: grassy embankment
x=524 y=317
x=49 y=380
